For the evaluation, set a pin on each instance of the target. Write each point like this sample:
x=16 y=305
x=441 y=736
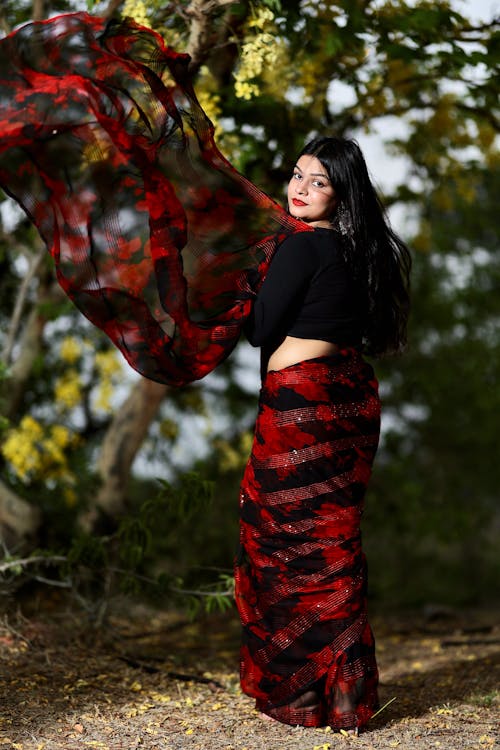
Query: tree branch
x=4 y=25
x=35 y=560
x=29 y=347
x=38 y=10
x=201 y=32
x=112 y=7
x=486 y=114
x=20 y=302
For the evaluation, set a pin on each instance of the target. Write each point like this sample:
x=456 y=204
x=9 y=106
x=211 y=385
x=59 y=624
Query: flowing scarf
x=156 y=238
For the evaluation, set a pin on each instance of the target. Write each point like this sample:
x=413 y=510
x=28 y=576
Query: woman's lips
x=296 y=202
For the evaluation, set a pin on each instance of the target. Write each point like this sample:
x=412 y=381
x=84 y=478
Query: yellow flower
x=30 y=426
x=209 y=103
x=261 y=17
x=68 y=389
x=258 y=52
x=37 y=453
x=107 y=363
x=137 y=10
x=70 y=350
x=60 y=435
x=244 y=90
x=20 y=448
x=52 y=454
x=102 y=400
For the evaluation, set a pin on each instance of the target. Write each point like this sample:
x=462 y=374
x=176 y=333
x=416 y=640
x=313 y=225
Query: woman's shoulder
x=319 y=239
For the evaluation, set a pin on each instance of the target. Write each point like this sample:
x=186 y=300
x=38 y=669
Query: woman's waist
x=293 y=350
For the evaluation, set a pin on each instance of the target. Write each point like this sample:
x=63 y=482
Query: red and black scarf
x=156 y=238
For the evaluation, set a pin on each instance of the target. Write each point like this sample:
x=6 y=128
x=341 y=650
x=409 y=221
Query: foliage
x=434 y=498
x=270 y=75
x=97 y=568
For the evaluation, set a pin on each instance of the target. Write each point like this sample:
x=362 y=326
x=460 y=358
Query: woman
x=308 y=651
x=163 y=245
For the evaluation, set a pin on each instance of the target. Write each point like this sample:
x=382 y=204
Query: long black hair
x=378 y=258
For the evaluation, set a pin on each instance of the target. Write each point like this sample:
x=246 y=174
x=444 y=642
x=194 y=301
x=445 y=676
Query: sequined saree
x=301 y=572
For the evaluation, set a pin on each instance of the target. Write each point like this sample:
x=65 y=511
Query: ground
x=153 y=681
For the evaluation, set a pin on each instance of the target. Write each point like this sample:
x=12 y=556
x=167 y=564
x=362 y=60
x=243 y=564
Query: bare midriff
x=293 y=350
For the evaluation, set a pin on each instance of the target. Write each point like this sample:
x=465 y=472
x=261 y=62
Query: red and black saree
x=301 y=572
x=163 y=245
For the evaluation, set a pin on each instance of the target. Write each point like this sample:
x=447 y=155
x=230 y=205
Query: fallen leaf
x=485 y=739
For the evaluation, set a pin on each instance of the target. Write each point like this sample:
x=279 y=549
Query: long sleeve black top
x=309 y=292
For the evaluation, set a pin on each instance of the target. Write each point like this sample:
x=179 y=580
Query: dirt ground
x=153 y=681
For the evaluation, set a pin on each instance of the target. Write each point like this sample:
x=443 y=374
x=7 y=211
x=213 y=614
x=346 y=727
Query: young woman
x=163 y=245
x=308 y=652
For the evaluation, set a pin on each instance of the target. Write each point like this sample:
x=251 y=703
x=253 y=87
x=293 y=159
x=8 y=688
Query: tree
x=434 y=498
x=269 y=76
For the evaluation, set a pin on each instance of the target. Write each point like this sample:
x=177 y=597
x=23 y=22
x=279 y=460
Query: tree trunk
x=38 y=10
x=123 y=440
x=29 y=348
x=18 y=519
x=202 y=34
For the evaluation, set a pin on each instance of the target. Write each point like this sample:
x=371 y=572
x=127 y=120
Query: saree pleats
x=301 y=572
x=156 y=238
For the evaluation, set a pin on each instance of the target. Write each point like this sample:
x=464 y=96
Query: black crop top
x=309 y=293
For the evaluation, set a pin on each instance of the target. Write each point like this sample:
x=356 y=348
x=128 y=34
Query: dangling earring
x=342 y=221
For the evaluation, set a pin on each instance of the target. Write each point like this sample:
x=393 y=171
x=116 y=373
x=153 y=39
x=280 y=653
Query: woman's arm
x=279 y=298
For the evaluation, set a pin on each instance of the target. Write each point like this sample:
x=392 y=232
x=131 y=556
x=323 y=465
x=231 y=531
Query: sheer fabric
x=156 y=238
x=301 y=572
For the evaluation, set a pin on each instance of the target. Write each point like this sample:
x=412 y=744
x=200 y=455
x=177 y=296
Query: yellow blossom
x=102 y=400
x=30 y=426
x=68 y=389
x=107 y=363
x=261 y=17
x=36 y=452
x=245 y=90
x=258 y=52
x=60 y=435
x=20 y=448
x=70 y=350
x=53 y=453
x=137 y=10
x=210 y=103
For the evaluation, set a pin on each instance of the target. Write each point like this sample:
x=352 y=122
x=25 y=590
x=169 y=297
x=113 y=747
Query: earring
x=342 y=221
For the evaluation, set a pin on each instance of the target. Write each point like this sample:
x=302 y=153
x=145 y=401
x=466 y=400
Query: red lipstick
x=297 y=202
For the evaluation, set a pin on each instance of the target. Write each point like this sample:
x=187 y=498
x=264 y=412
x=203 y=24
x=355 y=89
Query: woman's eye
x=296 y=176
x=317 y=183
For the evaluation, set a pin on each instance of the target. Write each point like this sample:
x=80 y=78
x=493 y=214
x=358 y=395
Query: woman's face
x=311 y=196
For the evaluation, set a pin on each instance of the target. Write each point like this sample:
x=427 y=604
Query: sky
x=478 y=9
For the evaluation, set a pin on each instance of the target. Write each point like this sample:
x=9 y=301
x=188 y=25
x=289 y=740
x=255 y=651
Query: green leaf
x=274 y=5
